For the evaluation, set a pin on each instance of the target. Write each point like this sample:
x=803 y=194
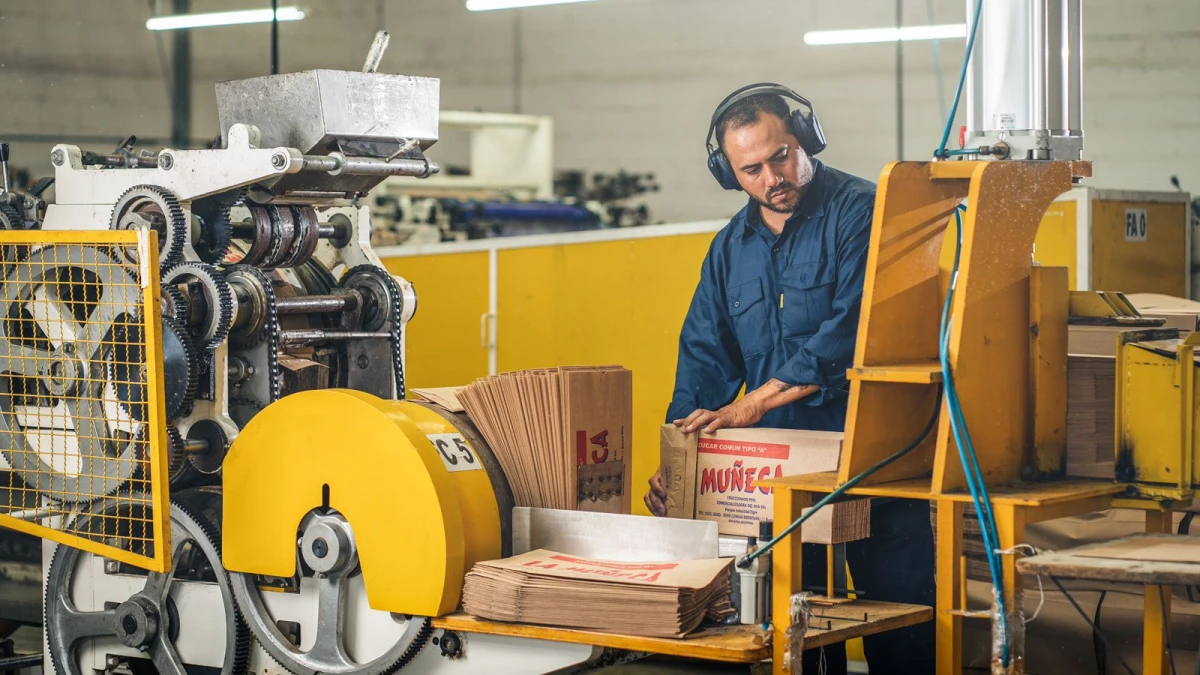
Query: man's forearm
x=776 y=394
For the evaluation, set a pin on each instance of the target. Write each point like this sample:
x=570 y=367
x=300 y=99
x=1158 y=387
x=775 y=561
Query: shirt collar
x=811 y=205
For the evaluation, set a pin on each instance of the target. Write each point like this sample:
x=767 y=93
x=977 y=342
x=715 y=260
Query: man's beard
x=804 y=176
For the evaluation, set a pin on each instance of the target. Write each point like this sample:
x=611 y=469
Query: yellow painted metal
x=1157 y=265
x=1048 y=370
x=786 y=563
x=85 y=314
x=445 y=341
x=989 y=344
x=1156 y=660
x=1156 y=408
x=950 y=587
x=1057 y=241
x=418 y=526
x=603 y=302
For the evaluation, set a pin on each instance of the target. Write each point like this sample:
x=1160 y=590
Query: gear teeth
x=174 y=305
x=396 y=309
x=176 y=459
x=193 y=368
x=244 y=403
x=220 y=297
x=193 y=508
x=171 y=244
x=218 y=231
x=10 y=219
x=270 y=328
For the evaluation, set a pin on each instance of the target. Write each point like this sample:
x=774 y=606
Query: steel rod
x=314 y=335
x=309 y=304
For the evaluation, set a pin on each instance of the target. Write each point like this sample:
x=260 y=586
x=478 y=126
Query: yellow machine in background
x=1124 y=240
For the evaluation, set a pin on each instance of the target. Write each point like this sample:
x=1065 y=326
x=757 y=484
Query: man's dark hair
x=746 y=112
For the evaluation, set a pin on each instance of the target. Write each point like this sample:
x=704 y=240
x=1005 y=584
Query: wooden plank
x=729 y=644
x=919 y=372
x=1070 y=564
x=845 y=621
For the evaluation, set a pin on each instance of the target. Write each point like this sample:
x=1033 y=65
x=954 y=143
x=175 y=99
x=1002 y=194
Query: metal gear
x=174 y=304
x=157 y=208
x=148 y=620
x=216 y=232
x=331 y=573
x=181 y=370
x=383 y=305
x=10 y=219
x=259 y=286
x=60 y=309
x=203 y=281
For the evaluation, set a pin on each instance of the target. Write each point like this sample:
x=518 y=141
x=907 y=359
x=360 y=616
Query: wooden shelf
x=913 y=372
x=730 y=644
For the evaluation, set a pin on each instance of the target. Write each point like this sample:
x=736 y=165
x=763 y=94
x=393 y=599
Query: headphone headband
x=746 y=92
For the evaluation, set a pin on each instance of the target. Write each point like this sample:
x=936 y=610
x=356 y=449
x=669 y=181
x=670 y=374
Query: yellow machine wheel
x=415 y=489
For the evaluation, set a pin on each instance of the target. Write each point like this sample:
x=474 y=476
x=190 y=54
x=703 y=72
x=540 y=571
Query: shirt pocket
x=808 y=289
x=748 y=312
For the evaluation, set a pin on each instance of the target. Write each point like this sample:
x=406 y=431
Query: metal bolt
x=279 y=160
x=166 y=162
x=110 y=567
x=320 y=548
x=58 y=157
x=363 y=361
x=113 y=661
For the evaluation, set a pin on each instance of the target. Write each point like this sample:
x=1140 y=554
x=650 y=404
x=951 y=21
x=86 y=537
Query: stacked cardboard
x=561 y=435
x=1091 y=392
x=715 y=477
x=658 y=599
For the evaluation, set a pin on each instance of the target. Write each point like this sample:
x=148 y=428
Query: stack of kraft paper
x=562 y=435
x=653 y=599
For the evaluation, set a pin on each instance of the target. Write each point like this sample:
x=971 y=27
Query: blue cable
x=962 y=78
x=966 y=450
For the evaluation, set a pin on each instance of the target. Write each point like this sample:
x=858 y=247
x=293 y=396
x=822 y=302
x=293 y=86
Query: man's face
x=769 y=163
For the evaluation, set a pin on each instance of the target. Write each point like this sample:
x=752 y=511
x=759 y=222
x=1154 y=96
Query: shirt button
x=737 y=304
x=775 y=250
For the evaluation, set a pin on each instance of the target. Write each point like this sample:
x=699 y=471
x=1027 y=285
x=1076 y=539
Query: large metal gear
x=148 y=620
x=60 y=309
x=180 y=366
x=330 y=566
x=383 y=306
x=209 y=300
x=156 y=208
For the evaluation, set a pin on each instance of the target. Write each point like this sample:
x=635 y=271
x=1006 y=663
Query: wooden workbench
x=730 y=644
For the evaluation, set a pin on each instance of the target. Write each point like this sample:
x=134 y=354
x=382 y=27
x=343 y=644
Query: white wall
x=630 y=83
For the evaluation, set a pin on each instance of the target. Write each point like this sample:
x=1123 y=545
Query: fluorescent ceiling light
x=864 y=35
x=485 y=5
x=180 y=21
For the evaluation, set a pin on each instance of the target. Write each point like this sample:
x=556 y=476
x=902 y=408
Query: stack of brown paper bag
x=562 y=435
x=654 y=599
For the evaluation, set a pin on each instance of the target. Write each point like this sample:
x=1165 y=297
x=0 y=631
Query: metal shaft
x=245 y=230
x=4 y=164
x=310 y=336
x=336 y=164
x=195 y=446
x=310 y=304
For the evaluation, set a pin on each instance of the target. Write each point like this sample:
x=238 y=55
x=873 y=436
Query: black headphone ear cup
x=808 y=132
x=718 y=165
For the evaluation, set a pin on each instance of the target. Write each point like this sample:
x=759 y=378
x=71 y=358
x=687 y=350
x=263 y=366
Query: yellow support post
x=1156 y=605
x=951 y=587
x=786 y=566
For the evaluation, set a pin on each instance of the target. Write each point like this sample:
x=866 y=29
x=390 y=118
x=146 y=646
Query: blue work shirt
x=781 y=307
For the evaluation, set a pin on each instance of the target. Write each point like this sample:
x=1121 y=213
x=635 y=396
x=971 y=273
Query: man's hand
x=656 y=498
x=741 y=413
x=748 y=410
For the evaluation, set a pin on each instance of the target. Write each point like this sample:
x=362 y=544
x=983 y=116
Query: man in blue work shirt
x=777 y=310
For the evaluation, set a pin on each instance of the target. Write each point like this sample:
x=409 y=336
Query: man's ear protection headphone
x=802 y=123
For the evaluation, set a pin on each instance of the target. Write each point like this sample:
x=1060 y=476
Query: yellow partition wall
x=443 y=343
x=615 y=302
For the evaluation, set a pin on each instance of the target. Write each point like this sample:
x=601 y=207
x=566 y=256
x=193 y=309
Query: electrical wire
x=745 y=561
x=962 y=78
x=1095 y=629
